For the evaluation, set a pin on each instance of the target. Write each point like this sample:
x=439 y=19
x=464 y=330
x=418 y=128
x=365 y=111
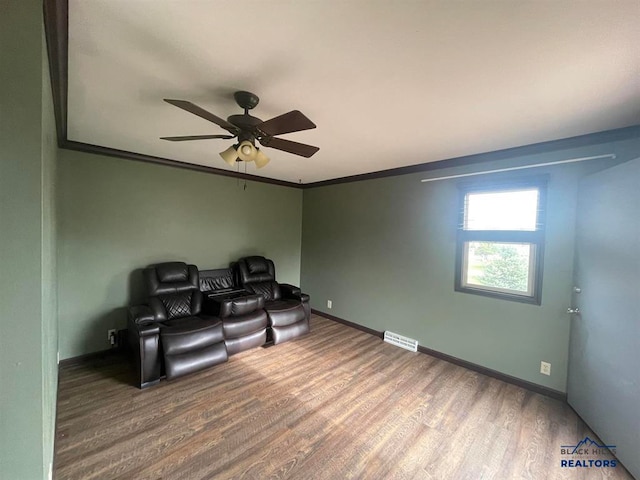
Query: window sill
x=500 y=295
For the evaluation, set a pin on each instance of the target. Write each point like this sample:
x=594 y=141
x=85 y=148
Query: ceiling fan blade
x=195 y=137
x=296 y=148
x=201 y=112
x=294 y=121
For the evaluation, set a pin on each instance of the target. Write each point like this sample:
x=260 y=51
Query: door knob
x=577 y=289
x=573 y=311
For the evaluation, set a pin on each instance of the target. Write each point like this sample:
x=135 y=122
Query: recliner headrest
x=172 y=272
x=170 y=278
x=257 y=264
x=255 y=269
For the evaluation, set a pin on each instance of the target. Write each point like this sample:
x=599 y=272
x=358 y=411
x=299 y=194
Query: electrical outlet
x=112 y=336
x=545 y=368
x=329 y=303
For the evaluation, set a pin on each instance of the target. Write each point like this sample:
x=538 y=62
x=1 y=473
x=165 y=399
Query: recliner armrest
x=147 y=330
x=233 y=306
x=141 y=315
x=291 y=291
x=144 y=339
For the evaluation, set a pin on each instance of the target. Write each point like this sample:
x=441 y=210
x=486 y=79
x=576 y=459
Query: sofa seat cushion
x=284 y=312
x=194 y=361
x=189 y=334
x=235 y=327
x=246 y=342
x=289 y=332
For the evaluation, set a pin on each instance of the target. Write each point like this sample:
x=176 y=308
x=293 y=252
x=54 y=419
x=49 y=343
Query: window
x=501 y=239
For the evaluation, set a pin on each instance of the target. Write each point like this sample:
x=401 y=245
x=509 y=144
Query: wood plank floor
x=338 y=403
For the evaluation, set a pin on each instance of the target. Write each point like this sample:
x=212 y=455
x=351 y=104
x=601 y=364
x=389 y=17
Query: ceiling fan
x=248 y=129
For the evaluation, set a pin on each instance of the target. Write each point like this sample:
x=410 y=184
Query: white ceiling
x=388 y=83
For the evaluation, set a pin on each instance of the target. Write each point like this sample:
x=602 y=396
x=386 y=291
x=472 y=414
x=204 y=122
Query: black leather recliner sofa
x=171 y=335
x=194 y=320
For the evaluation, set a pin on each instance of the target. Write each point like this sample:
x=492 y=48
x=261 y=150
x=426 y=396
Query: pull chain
x=245 y=178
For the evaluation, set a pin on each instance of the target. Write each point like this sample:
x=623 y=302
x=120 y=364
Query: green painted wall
x=117 y=216
x=384 y=250
x=28 y=329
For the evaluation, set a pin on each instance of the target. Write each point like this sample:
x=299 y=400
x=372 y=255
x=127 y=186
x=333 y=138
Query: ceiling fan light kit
x=230 y=155
x=261 y=159
x=246 y=151
x=249 y=129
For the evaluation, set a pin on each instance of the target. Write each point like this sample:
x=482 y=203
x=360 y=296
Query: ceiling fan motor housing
x=246 y=100
x=244 y=122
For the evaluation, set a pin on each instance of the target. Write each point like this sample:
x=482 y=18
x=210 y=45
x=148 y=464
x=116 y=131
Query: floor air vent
x=400 y=341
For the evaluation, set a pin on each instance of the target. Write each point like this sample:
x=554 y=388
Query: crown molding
x=615 y=135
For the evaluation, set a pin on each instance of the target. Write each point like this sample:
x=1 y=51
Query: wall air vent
x=400 y=341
